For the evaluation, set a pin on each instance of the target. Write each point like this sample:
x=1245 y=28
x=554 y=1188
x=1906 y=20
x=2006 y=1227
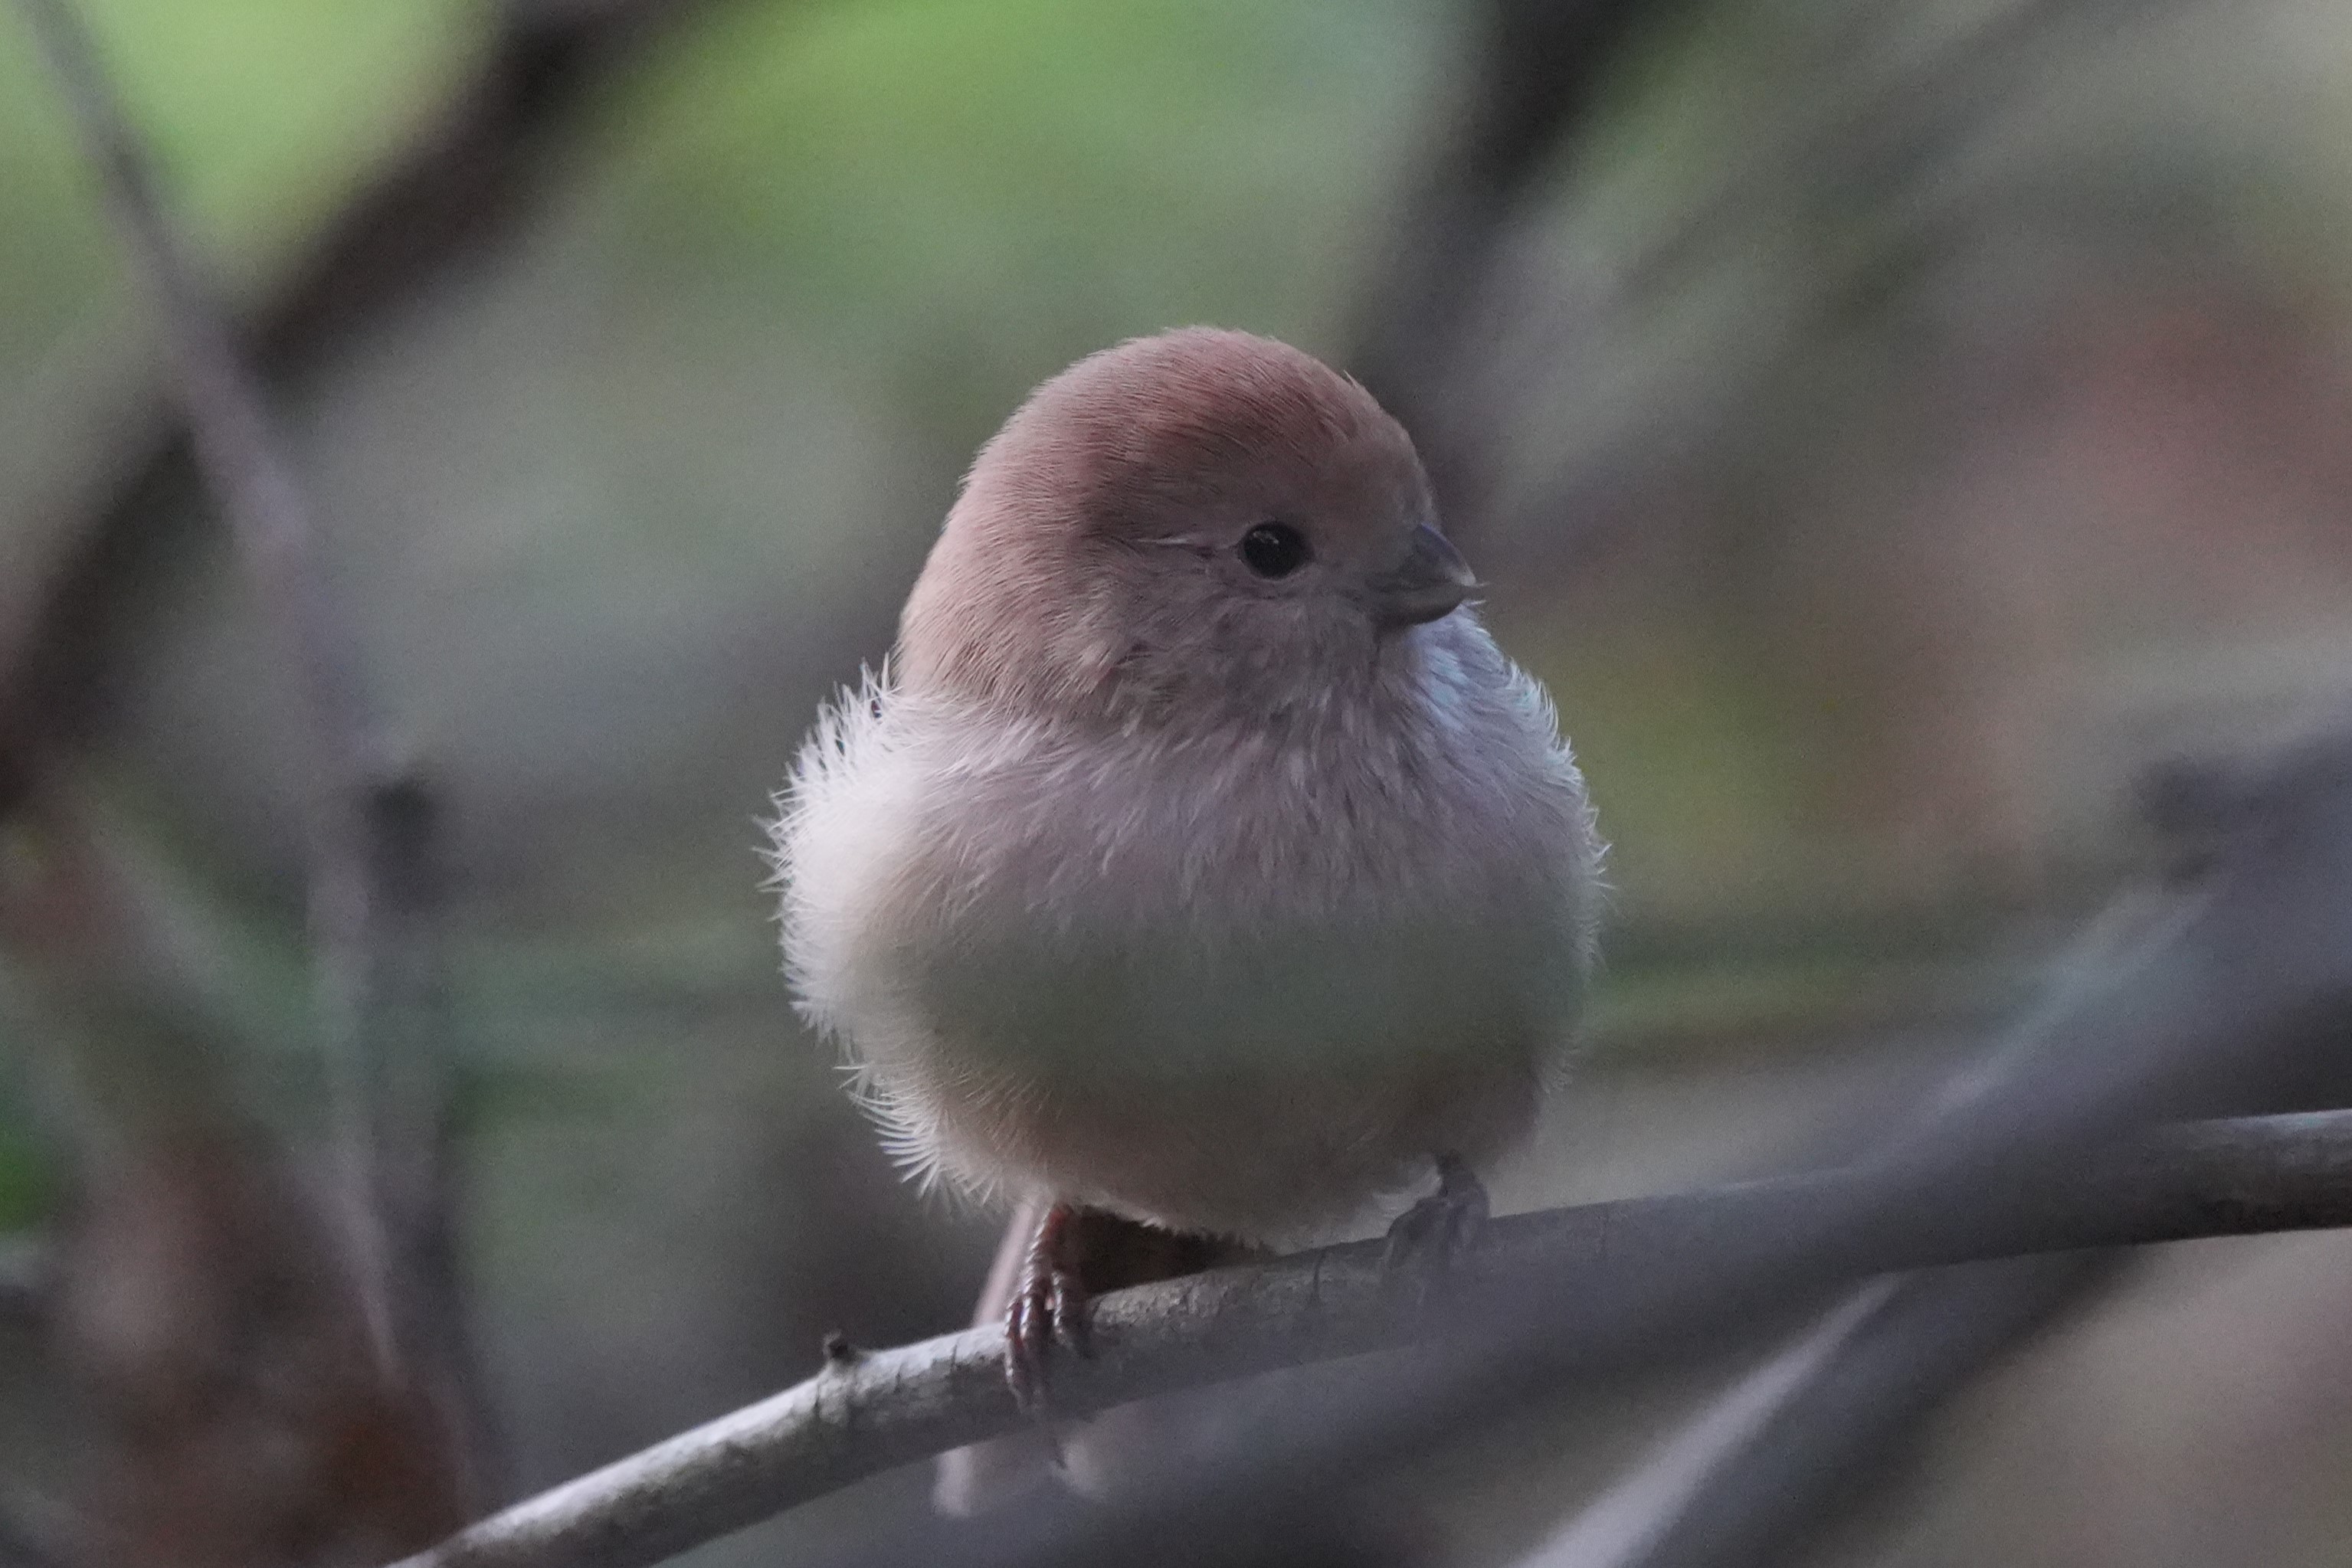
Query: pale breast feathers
x=980 y=910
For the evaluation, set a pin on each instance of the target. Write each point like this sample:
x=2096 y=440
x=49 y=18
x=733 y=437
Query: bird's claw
x=1077 y=1254
x=1048 y=1309
x=1427 y=1240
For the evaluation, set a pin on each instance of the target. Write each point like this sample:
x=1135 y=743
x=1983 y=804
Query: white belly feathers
x=1244 y=999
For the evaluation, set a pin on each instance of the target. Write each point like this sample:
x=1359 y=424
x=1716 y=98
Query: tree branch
x=193 y=1253
x=365 y=819
x=1792 y=1444
x=870 y=1412
x=1535 y=80
x=246 y=463
x=459 y=183
x=1890 y=141
x=1789 y=1443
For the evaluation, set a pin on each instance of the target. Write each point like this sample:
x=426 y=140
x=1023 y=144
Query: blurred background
x=1889 y=426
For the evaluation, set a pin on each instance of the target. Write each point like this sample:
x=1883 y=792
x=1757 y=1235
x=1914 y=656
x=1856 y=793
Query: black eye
x=1274 y=549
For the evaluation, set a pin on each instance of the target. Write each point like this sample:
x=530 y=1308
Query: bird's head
x=1203 y=522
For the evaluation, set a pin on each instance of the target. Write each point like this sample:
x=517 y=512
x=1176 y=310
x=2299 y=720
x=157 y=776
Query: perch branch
x=870 y=1412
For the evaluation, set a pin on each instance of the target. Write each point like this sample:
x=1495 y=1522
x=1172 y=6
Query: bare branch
x=243 y=461
x=874 y=1411
x=1773 y=1451
x=1627 y=1519
x=1535 y=79
x=363 y=819
x=459 y=183
x=1900 y=134
x=1790 y=1446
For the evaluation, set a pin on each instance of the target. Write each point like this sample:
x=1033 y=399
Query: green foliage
x=1038 y=176
x=259 y=111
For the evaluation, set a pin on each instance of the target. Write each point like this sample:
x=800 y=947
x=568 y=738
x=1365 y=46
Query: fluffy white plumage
x=1237 y=977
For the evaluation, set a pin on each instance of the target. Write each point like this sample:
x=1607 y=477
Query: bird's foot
x=1078 y=1254
x=1431 y=1238
x=1049 y=1304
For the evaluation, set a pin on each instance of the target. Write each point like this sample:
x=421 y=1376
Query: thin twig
x=244 y=461
x=460 y=182
x=1536 y=79
x=1628 y=1518
x=361 y=816
x=873 y=1411
x=184 y=1218
x=1794 y=1441
x=1785 y=1449
x=1899 y=137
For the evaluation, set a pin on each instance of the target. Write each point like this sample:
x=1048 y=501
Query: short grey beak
x=1430 y=581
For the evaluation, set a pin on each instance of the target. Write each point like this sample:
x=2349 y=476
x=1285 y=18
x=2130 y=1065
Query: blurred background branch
x=1534 y=84
x=1798 y=1444
x=467 y=174
x=1796 y=1447
x=244 y=463
x=200 y=1297
x=366 y=822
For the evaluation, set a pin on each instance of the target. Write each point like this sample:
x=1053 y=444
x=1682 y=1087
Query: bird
x=1196 y=875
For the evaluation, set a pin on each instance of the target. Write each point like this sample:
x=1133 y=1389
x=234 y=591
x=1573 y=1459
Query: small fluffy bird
x=1197 y=873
